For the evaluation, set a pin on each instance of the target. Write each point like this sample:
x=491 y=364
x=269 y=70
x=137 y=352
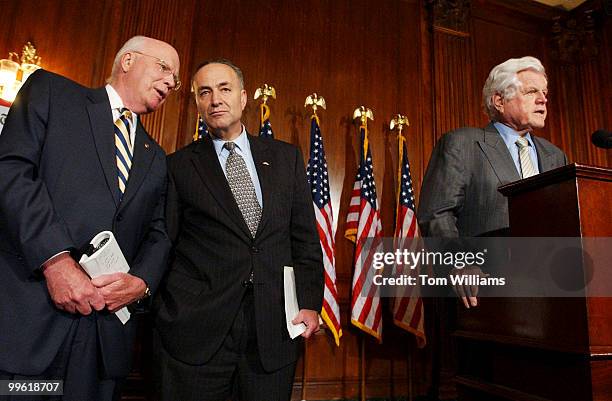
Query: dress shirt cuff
x=46 y=262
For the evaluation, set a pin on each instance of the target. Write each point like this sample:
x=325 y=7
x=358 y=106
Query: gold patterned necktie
x=242 y=188
x=527 y=167
x=124 y=150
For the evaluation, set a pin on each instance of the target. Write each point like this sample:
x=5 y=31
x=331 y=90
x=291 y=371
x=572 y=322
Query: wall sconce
x=15 y=71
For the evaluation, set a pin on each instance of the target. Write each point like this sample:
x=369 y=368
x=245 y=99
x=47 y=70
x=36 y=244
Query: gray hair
x=135 y=43
x=223 y=61
x=503 y=80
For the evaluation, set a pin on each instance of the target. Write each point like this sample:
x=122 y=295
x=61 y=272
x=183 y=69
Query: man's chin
x=216 y=125
x=537 y=123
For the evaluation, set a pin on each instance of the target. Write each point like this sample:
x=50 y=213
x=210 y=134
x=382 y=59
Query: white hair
x=135 y=43
x=503 y=80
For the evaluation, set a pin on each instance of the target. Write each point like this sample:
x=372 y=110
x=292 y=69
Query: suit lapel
x=101 y=121
x=206 y=164
x=265 y=169
x=498 y=155
x=545 y=158
x=144 y=153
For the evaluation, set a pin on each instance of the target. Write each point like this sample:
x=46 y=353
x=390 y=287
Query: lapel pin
x=146 y=146
x=265 y=163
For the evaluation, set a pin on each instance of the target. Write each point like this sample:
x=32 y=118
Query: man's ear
x=127 y=60
x=498 y=102
x=243 y=98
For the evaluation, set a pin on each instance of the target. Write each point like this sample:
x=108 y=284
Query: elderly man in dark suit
x=459 y=196
x=75 y=161
x=239 y=210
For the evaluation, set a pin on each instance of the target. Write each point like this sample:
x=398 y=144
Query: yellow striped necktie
x=527 y=167
x=124 y=149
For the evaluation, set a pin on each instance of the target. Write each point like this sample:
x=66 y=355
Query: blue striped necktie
x=124 y=149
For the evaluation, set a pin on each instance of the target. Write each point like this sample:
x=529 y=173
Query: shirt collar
x=509 y=135
x=115 y=100
x=242 y=142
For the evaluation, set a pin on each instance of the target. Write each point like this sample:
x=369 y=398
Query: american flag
x=408 y=304
x=363 y=222
x=321 y=200
x=265 y=128
x=201 y=129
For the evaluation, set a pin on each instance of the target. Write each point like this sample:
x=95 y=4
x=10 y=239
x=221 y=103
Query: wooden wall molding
x=575 y=38
x=451 y=16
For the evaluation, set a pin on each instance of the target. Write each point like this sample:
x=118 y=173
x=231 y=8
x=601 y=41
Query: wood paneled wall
x=427 y=59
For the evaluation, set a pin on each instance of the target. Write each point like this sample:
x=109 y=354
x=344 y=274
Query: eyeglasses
x=164 y=69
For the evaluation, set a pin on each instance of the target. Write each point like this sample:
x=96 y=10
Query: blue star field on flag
x=406 y=197
x=317 y=168
x=366 y=175
x=266 y=129
x=202 y=129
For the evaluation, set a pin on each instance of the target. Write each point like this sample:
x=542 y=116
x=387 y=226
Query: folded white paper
x=106 y=259
x=291 y=304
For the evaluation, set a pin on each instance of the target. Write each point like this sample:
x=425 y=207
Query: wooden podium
x=543 y=349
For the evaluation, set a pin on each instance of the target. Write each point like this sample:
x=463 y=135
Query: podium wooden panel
x=543 y=349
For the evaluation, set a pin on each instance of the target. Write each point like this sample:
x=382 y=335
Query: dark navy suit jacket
x=58 y=180
x=214 y=253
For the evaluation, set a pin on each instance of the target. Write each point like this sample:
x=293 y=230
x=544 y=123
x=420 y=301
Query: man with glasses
x=76 y=161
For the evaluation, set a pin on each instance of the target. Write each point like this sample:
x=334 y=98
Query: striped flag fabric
x=318 y=179
x=408 y=304
x=201 y=129
x=363 y=222
x=265 y=127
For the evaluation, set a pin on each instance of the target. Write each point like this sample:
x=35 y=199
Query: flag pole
x=362 y=382
x=265 y=92
x=398 y=122
x=313 y=101
x=363 y=114
x=304 y=365
x=410 y=375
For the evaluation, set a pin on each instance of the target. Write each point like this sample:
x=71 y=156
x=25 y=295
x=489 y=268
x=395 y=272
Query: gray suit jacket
x=459 y=196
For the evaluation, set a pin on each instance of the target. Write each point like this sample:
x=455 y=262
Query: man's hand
x=69 y=286
x=466 y=291
x=310 y=318
x=119 y=289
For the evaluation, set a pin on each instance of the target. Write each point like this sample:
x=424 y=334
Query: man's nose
x=215 y=97
x=169 y=81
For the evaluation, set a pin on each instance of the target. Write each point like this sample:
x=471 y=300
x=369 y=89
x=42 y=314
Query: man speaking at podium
x=75 y=161
x=459 y=196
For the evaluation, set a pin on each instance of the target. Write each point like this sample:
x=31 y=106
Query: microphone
x=602 y=139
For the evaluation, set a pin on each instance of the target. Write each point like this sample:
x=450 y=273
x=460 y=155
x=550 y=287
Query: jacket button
x=254 y=249
x=119 y=217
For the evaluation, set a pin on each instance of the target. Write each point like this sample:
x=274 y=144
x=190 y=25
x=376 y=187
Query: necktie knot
x=522 y=142
x=124 y=112
x=229 y=146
